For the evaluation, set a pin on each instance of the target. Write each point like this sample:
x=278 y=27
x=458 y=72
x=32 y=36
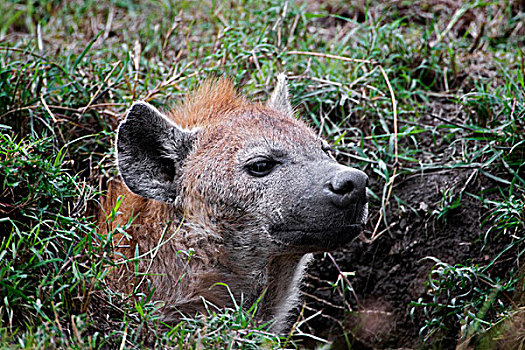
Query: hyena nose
x=348 y=186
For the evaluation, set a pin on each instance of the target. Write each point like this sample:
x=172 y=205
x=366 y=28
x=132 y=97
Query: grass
x=68 y=71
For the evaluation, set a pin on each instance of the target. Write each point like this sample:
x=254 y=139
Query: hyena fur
x=247 y=187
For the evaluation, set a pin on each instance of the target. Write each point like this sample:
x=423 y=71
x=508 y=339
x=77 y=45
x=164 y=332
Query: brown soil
x=391 y=272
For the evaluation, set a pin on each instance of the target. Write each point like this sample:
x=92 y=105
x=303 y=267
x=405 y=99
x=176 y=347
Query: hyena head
x=251 y=173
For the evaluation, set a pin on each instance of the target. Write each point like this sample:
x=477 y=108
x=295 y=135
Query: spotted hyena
x=247 y=187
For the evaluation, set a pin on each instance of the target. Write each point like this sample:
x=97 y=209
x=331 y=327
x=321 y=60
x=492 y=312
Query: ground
x=389 y=274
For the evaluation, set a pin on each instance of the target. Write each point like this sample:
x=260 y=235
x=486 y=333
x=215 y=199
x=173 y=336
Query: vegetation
x=403 y=91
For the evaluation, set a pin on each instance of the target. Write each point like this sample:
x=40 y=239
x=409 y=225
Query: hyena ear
x=279 y=99
x=151 y=151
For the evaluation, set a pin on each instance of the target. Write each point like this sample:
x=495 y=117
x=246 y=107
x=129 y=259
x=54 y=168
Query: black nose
x=348 y=186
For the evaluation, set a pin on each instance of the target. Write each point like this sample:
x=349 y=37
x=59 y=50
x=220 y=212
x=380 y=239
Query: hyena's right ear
x=151 y=151
x=280 y=100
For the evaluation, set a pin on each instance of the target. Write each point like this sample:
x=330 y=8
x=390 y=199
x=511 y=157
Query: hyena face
x=254 y=173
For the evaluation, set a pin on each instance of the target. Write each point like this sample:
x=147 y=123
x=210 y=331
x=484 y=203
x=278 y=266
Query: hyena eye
x=261 y=167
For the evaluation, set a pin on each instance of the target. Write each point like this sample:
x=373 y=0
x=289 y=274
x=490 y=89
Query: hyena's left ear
x=279 y=99
x=151 y=151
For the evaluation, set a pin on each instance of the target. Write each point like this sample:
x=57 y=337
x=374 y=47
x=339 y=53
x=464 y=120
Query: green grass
x=69 y=70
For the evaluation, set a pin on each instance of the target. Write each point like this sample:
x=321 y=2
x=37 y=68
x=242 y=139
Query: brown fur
x=208 y=104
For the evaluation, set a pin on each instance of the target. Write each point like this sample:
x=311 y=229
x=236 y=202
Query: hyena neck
x=273 y=282
x=285 y=273
x=249 y=274
x=250 y=265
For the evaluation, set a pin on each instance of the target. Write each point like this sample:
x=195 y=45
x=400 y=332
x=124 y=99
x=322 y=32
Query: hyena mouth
x=320 y=239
